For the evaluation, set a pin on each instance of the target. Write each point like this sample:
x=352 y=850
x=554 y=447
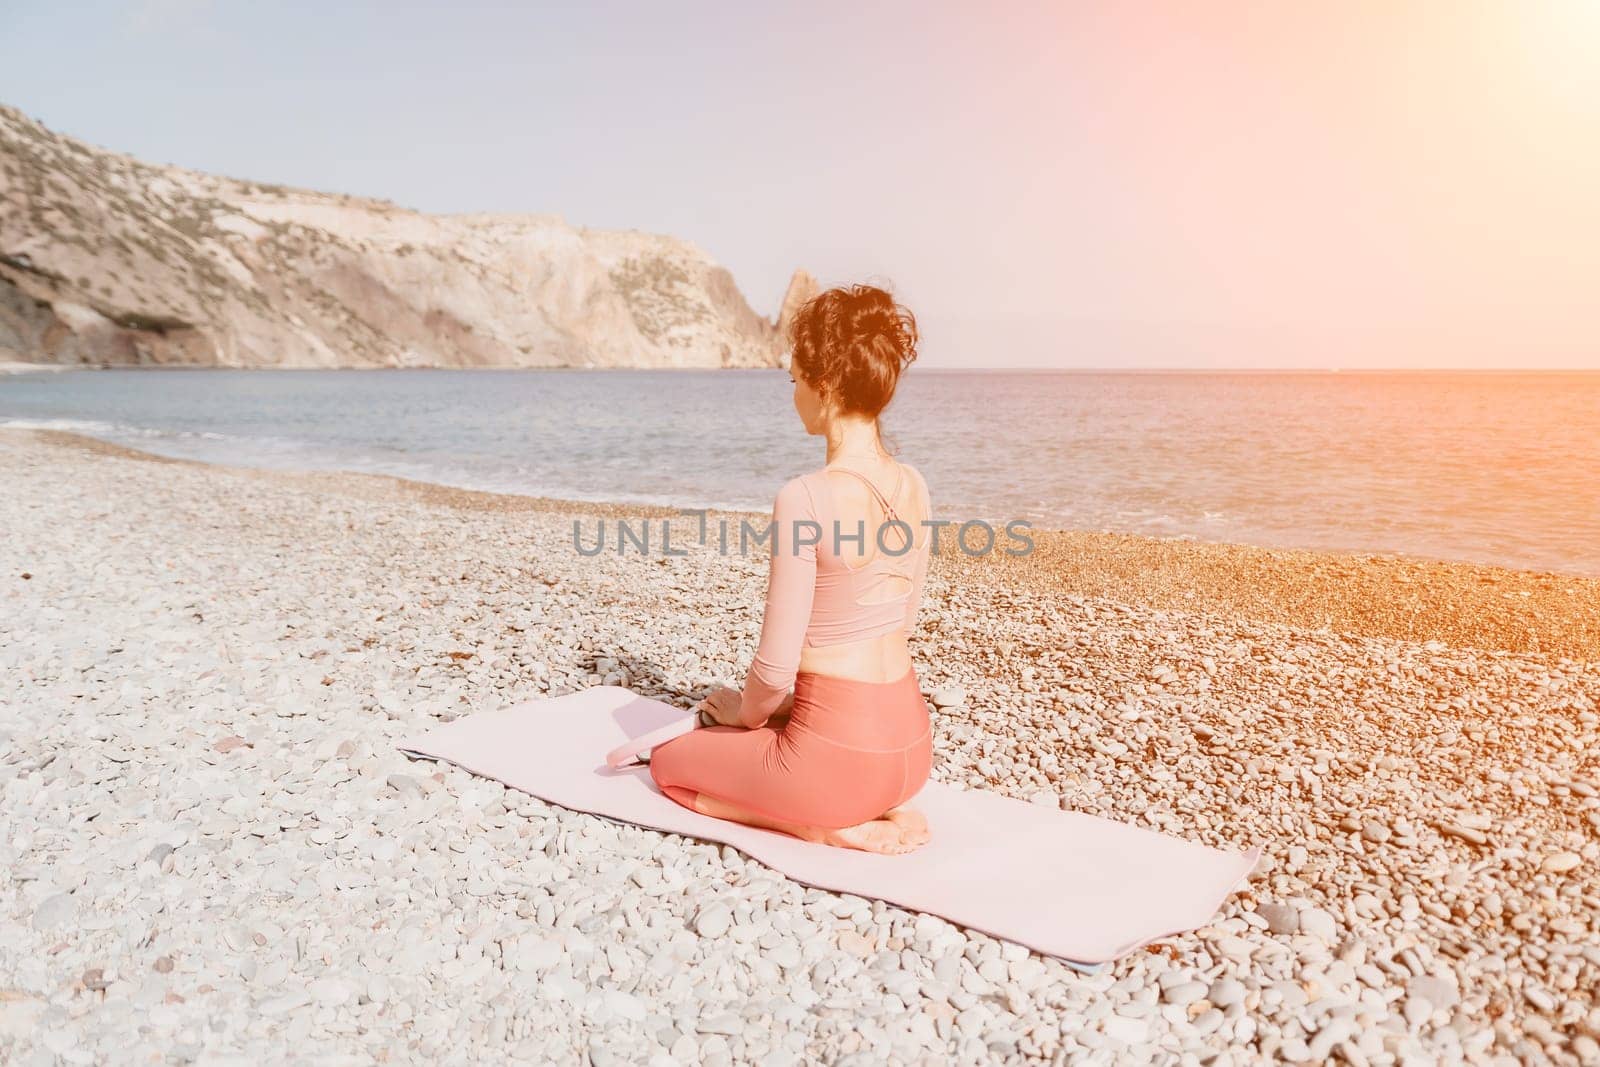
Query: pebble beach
x=212 y=852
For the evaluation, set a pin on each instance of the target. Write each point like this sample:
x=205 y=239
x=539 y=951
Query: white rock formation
x=108 y=260
x=802 y=287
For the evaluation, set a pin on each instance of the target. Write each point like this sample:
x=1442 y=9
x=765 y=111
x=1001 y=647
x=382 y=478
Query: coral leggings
x=849 y=752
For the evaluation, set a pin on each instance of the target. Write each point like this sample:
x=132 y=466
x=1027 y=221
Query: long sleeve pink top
x=814 y=597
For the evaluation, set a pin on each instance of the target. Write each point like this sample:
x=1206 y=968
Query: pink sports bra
x=814 y=598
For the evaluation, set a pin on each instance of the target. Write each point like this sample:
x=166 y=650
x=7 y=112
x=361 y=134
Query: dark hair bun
x=851 y=343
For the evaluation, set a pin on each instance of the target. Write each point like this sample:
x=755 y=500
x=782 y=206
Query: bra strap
x=888 y=508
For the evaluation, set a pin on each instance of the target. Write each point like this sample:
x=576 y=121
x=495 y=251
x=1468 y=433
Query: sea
x=1490 y=467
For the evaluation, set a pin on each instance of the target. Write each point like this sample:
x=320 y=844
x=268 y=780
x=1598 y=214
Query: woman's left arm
x=791 y=588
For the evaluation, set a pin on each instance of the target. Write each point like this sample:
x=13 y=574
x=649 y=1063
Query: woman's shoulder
x=816 y=482
x=825 y=470
x=798 y=494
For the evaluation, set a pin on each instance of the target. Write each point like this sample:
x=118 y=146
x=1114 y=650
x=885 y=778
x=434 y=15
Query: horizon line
x=20 y=367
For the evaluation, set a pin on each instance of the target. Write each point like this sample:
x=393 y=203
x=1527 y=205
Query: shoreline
x=18 y=366
x=1365 y=594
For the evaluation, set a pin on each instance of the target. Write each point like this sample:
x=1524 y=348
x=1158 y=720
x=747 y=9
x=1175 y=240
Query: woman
x=835 y=761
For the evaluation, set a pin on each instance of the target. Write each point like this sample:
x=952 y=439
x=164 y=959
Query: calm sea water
x=1501 y=468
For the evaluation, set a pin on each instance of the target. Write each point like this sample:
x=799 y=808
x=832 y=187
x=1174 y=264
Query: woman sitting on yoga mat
x=836 y=760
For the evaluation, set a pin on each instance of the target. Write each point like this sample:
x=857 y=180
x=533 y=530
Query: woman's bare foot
x=876 y=835
x=913 y=824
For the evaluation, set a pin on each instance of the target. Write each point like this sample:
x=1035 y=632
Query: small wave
x=123 y=431
x=99 y=428
x=67 y=425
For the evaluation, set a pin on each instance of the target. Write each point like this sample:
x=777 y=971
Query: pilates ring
x=638 y=748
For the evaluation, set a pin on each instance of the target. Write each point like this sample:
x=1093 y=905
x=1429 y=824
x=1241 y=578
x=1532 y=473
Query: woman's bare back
x=884 y=658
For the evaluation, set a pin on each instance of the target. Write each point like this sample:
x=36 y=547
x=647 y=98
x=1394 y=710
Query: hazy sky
x=1307 y=184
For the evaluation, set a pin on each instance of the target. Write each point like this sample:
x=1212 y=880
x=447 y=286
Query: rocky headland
x=106 y=260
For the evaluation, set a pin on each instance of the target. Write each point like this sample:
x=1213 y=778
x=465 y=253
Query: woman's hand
x=722 y=704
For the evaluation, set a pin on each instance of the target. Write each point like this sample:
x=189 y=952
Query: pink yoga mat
x=1076 y=886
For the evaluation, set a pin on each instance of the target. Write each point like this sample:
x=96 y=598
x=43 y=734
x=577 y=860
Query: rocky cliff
x=802 y=287
x=108 y=260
